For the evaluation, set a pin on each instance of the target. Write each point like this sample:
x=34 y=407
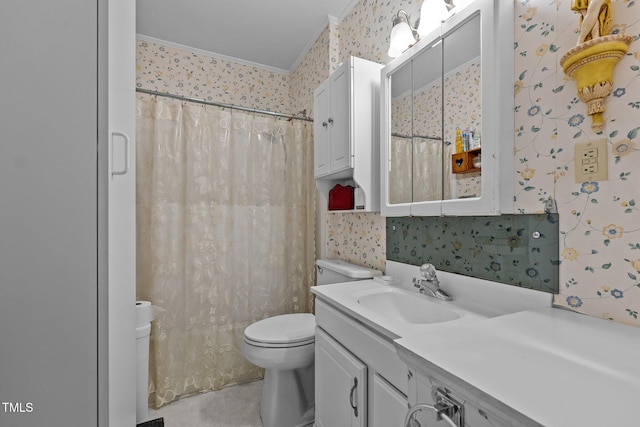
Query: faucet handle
x=428 y=271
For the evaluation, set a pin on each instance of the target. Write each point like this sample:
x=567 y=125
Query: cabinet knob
x=324 y=124
x=331 y=121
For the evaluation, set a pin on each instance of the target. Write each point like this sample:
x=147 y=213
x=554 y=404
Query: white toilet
x=284 y=346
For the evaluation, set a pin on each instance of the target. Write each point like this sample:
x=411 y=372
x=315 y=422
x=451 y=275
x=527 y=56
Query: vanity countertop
x=555 y=367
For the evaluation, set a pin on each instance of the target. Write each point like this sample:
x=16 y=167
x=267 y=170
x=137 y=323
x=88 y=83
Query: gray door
x=48 y=224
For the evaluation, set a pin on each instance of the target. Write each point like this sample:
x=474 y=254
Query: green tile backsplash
x=519 y=250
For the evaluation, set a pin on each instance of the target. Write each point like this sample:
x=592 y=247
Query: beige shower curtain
x=225 y=236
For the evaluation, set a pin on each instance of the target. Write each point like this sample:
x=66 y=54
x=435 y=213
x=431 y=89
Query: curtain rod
x=223 y=105
x=399 y=135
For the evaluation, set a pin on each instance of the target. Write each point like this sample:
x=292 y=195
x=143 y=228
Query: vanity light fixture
x=432 y=14
x=402 y=34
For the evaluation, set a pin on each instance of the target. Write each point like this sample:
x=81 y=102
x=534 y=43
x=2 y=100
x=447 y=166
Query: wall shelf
x=463 y=162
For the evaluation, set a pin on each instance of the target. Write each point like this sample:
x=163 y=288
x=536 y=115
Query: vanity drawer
x=375 y=351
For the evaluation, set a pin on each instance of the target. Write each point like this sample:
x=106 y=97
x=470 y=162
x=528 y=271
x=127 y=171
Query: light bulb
x=401 y=39
x=432 y=13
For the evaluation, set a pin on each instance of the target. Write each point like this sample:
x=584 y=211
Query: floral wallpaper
x=358 y=238
x=599 y=221
x=310 y=73
x=167 y=69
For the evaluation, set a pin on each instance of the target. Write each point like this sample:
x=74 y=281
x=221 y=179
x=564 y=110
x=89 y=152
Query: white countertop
x=556 y=367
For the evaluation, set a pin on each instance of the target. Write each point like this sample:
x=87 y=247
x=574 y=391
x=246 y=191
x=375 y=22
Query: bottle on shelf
x=478 y=140
x=459 y=144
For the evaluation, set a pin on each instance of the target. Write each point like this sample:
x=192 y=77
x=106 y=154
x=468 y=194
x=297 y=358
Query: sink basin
x=408 y=308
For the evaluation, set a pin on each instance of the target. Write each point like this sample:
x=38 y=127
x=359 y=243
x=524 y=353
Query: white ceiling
x=271 y=33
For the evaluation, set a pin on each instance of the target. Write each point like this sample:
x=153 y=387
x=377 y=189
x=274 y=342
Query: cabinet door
x=341 y=385
x=321 y=130
x=388 y=406
x=48 y=220
x=340 y=143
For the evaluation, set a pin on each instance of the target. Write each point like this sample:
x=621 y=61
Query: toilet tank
x=336 y=271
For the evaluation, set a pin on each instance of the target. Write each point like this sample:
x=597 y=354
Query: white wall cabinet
x=346 y=350
x=346 y=131
x=341 y=389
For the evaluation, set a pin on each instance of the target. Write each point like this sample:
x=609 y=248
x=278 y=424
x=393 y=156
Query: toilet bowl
x=285 y=346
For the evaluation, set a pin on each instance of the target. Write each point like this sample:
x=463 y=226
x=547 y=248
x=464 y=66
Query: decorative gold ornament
x=592 y=61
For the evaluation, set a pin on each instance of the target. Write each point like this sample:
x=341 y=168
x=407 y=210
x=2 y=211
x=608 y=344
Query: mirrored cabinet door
x=401 y=140
x=427 y=124
x=462 y=107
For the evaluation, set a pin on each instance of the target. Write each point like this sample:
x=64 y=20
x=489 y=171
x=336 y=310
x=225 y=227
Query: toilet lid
x=284 y=329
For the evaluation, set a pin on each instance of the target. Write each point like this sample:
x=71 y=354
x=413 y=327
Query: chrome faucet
x=429 y=284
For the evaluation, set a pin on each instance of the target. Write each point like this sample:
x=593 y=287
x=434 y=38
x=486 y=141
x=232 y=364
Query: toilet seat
x=287 y=330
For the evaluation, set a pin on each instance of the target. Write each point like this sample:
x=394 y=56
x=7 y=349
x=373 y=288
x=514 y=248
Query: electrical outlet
x=591 y=161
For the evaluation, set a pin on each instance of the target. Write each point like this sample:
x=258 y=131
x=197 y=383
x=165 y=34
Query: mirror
x=415 y=154
x=401 y=140
x=427 y=178
x=462 y=112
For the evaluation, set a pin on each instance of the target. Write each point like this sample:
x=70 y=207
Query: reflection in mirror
x=462 y=112
x=401 y=136
x=427 y=124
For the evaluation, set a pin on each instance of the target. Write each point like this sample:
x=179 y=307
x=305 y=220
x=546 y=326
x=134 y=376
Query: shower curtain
x=224 y=236
x=420 y=171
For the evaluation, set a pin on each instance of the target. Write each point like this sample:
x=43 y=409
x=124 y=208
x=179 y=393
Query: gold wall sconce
x=592 y=61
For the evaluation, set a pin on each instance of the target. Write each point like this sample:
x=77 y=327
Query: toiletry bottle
x=459 y=147
x=465 y=140
x=478 y=140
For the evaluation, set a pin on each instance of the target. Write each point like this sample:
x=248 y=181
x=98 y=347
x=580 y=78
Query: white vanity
x=501 y=352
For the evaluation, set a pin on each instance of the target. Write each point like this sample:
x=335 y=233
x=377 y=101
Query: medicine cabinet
x=447 y=119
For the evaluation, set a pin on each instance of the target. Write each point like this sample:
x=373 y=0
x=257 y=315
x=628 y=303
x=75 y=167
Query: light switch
x=591 y=161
